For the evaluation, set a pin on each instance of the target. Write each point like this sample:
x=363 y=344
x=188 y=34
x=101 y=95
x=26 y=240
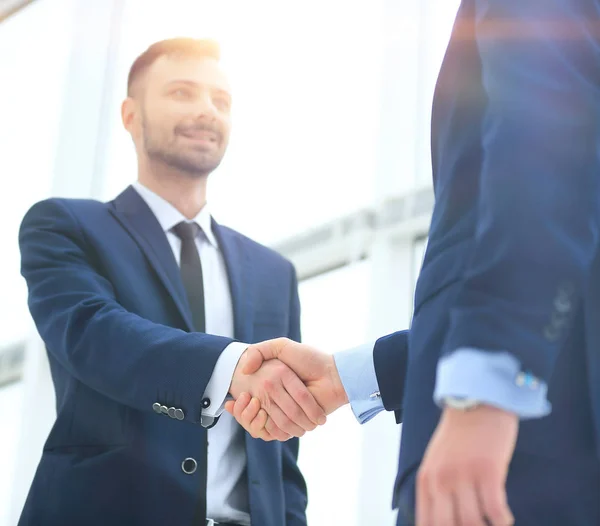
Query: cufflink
x=527 y=380
x=374 y=395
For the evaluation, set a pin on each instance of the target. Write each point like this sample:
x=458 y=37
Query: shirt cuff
x=357 y=373
x=217 y=389
x=491 y=378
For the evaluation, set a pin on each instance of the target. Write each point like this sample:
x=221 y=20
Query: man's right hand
x=292 y=409
x=316 y=369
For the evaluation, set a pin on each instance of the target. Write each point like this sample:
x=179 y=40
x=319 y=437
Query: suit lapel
x=135 y=216
x=241 y=284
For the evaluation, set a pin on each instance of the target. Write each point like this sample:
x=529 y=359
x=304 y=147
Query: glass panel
x=31 y=96
x=11 y=397
x=334 y=317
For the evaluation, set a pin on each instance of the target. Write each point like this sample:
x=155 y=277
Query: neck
x=187 y=194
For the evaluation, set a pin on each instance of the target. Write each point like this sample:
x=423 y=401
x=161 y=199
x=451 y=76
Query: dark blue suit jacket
x=107 y=299
x=512 y=262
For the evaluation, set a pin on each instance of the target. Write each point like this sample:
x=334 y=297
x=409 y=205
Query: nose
x=204 y=107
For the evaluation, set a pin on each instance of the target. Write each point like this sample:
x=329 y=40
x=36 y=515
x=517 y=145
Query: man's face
x=184 y=119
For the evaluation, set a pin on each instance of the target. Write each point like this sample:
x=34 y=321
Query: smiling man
x=142 y=303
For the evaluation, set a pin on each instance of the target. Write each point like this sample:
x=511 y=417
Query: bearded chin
x=193 y=166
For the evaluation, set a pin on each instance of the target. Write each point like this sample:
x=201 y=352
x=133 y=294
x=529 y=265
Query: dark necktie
x=191 y=275
x=191 y=272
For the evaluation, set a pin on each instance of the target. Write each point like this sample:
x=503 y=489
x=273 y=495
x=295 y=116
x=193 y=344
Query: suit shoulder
x=67 y=203
x=60 y=207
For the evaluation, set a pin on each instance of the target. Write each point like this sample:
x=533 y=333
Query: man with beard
x=143 y=303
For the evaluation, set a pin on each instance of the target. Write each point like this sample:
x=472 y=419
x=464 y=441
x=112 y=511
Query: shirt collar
x=168 y=216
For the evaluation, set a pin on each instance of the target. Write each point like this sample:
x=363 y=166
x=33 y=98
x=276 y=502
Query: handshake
x=283 y=389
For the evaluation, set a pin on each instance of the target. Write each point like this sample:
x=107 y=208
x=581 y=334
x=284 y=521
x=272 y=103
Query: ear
x=129 y=109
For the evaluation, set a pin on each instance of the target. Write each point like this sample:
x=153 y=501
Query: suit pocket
x=83 y=452
x=89 y=419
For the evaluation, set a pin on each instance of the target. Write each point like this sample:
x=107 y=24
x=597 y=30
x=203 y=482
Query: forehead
x=205 y=72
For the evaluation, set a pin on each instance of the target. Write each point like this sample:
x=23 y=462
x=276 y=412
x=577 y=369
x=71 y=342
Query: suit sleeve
x=390 y=356
x=296 y=497
x=119 y=354
x=537 y=228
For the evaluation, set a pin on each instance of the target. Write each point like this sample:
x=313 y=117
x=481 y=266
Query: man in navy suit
x=144 y=304
x=498 y=380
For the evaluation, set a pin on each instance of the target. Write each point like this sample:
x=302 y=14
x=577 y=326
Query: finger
x=271 y=431
x=492 y=495
x=311 y=413
x=466 y=503
x=248 y=413
x=285 y=412
x=423 y=498
x=283 y=421
x=239 y=406
x=258 y=427
x=254 y=420
x=245 y=410
x=274 y=431
x=443 y=509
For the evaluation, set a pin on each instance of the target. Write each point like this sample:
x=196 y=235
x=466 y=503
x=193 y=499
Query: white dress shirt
x=227 y=487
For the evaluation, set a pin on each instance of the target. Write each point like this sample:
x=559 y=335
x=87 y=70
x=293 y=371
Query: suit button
x=171 y=412
x=156 y=407
x=179 y=414
x=206 y=403
x=189 y=466
x=164 y=409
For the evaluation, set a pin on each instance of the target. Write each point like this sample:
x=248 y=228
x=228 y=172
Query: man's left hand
x=462 y=478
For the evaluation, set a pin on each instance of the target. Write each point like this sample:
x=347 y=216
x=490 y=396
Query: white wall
x=33 y=57
x=56 y=128
x=334 y=317
x=33 y=61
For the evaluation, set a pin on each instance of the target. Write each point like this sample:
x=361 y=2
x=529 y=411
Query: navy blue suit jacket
x=512 y=262
x=107 y=299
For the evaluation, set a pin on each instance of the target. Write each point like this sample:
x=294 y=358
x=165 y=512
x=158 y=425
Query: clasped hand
x=283 y=389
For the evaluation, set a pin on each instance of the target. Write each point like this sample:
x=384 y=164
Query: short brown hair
x=185 y=47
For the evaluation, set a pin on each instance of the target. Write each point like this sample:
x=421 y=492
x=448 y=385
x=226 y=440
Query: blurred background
x=328 y=164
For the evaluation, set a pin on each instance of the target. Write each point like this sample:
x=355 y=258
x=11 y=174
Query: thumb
x=258 y=353
x=253 y=359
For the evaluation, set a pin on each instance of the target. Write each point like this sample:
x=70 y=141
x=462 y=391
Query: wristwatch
x=461 y=403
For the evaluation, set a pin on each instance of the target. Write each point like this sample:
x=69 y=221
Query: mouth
x=201 y=136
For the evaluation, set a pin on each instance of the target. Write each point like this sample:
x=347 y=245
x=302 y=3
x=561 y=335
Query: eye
x=182 y=93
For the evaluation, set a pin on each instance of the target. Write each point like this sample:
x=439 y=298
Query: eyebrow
x=193 y=84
